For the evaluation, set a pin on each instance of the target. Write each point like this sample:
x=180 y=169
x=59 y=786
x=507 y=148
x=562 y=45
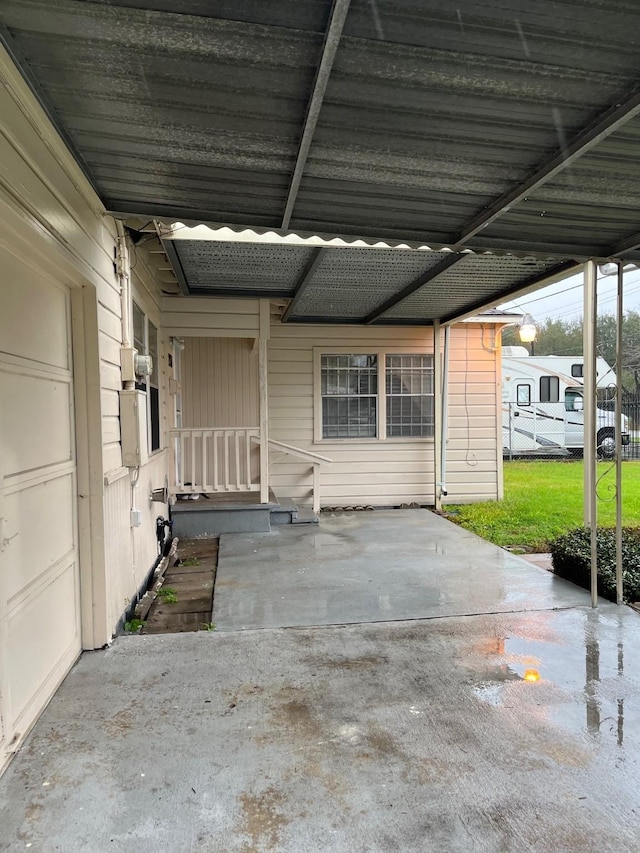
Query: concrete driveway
x=513 y=730
x=373 y=567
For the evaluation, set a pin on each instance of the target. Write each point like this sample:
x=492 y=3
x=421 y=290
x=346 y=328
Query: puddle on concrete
x=581 y=690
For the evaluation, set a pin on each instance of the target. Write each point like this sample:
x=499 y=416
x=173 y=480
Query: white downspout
x=437 y=416
x=445 y=412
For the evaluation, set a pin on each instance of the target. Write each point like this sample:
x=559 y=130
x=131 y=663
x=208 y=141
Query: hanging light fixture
x=527 y=329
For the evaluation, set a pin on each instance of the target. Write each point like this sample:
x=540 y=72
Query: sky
x=563 y=300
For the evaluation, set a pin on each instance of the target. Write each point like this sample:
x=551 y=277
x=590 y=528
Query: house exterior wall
x=200 y=317
x=220 y=386
x=60 y=224
x=395 y=471
x=372 y=472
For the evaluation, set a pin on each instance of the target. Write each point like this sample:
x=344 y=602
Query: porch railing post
x=316 y=488
x=265 y=320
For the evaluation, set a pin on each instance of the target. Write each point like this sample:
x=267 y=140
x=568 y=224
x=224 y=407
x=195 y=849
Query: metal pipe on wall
x=445 y=411
x=123 y=269
x=437 y=416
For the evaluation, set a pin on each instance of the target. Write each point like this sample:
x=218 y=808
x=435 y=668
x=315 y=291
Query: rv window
x=573 y=401
x=549 y=389
x=523 y=395
x=577 y=370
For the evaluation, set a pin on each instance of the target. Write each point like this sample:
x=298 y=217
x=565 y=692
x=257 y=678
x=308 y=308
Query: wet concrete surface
x=374 y=566
x=505 y=731
x=509 y=732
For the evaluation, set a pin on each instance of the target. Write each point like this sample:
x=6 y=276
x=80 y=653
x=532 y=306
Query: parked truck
x=543 y=405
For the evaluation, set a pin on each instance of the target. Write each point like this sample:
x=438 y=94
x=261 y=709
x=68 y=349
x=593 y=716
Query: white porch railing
x=215 y=460
x=315 y=459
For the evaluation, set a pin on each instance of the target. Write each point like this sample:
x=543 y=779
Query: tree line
x=564 y=337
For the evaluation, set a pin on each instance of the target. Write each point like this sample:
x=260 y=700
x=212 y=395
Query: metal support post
x=619 y=321
x=590 y=418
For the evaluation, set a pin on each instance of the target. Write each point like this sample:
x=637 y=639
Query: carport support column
x=437 y=416
x=265 y=330
x=590 y=418
x=619 y=322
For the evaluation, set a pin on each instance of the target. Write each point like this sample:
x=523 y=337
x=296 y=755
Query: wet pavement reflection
x=379 y=566
x=580 y=686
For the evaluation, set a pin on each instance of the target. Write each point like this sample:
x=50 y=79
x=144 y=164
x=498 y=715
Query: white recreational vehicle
x=543 y=406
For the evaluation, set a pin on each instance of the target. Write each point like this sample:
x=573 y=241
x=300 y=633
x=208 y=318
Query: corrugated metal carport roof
x=352 y=285
x=507 y=126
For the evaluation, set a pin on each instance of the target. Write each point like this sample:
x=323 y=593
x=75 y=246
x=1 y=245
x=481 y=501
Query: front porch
x=499 y=730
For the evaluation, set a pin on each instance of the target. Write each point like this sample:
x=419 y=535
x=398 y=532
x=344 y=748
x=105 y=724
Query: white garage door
x=39 y=579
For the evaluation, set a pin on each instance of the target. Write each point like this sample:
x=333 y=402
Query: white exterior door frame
x=40 y=254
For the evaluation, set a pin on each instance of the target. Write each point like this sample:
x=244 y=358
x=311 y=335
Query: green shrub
x=571 y=555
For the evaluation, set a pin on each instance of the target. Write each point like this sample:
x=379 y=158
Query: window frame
x=575 y=393
x=520 y=402
x=549 y=382
x=381 y=407
x=146 y=383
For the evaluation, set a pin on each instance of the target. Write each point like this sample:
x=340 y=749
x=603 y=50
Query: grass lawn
x=543 y=500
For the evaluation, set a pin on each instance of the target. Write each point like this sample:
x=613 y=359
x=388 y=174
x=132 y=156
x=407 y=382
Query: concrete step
x=288 y=512
x=305 y=516
x=197 y=519
x=284 y=511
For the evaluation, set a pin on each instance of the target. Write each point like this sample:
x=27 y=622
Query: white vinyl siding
x=200 y=317
x=72 y=242
x=220 y=383
x=365 y=471
x=395 y=471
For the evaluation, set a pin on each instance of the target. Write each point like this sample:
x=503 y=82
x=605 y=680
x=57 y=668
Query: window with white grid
x=145 y=340
x=349 y=389
x=410 y=398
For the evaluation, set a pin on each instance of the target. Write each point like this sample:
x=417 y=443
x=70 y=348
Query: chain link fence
x=556 y=430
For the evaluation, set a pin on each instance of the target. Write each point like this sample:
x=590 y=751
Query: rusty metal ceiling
x=506 y=126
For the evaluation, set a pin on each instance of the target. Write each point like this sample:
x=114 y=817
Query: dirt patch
x=298 y=715
x=362 y=662
x=383 y=742
x=262 y=820
x=185 y=600
x=120 y=724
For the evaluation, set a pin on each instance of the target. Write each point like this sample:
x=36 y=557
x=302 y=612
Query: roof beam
x=629 y=244
x=557 y=273
x=303 y=282
x=242 y=292
x=176 y=263
x=425 y=277
x=607 y=123
x=332 y=40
